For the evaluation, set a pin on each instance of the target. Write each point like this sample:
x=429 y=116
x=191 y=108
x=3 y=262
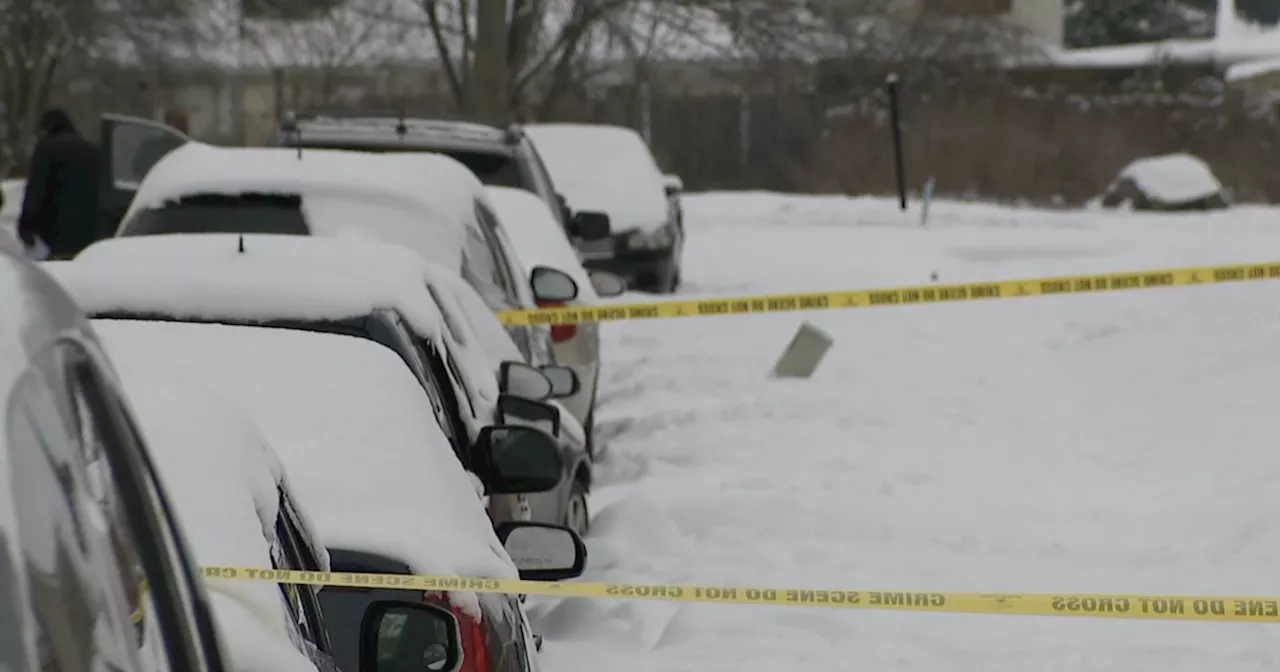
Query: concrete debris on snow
x=1120 y=442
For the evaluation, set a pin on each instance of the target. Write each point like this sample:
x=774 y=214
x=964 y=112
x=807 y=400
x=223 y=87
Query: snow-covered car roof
x=418 y=199
x=538 y=237
x=604 y=168
x=354 y=429
x=244 y=288
x=355 y=259
x=223 y=482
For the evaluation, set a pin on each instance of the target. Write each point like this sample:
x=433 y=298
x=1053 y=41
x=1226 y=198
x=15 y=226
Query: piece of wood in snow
x=804 y=353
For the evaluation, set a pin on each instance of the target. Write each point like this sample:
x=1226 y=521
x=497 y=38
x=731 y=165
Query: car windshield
x=221 y=213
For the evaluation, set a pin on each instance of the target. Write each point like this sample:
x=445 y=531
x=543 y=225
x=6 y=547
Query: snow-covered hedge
x=1169 y=182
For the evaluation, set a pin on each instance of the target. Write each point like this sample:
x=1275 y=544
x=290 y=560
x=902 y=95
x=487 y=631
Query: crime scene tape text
x=896 y=296
x=1140 y=607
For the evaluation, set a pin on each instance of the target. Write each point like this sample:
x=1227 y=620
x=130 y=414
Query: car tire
x=577 y=516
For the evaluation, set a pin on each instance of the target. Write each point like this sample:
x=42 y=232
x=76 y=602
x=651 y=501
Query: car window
x=289 y=551
x=221 y=213
x=483 y=269
x=544 y=186
x=499 y=170
x=106 y=587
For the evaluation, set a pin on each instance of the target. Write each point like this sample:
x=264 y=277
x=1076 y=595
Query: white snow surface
x=1173 y=178
x=604 y=168
x=241 y=288
x=352 y=426
x=223 y=481
x=1113 y=442
x=538 y=238
x=1251 y=69
x=416 y=199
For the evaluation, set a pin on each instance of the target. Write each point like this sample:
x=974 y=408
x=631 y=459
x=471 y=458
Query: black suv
x=498 y=157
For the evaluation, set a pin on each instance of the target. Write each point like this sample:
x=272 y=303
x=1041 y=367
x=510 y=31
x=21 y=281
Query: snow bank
x=538 y=238
x=1119 y=441
x=604 y=168
x=214 y=465
x=354 y=429
x=246 y=287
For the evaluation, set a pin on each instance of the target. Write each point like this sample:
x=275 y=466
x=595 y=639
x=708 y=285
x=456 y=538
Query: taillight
x=475 y=657
x=560 y=332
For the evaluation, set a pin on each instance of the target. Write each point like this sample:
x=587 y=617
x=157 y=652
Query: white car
x=237 y=509
x=380 y=478
x=605 y=168
x=328 y=271
x=540 y=241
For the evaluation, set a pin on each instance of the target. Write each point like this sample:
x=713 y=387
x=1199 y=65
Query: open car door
x=131 y=147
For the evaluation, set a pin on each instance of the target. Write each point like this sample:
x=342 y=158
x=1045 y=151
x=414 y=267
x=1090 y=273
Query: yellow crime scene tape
x=1136 y=606
x=897 y=296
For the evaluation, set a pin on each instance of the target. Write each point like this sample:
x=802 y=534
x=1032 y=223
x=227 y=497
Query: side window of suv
x=483 y=270
x=544 y=186
x=489 y=223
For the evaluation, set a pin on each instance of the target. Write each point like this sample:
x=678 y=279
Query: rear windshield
x=221 y=213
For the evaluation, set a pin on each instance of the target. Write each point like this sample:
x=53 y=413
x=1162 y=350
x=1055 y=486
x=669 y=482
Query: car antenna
x=241 y=245
x=291 y=127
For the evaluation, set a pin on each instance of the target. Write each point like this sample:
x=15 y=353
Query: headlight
x=651 y=240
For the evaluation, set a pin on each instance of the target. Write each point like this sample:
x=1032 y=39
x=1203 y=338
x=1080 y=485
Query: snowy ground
x=1121 y=442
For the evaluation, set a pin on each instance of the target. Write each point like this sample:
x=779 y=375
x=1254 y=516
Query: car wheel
x=576 y=515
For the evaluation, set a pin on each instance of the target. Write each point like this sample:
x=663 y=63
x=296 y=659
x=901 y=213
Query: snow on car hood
x=353 y=427
x=604 y=168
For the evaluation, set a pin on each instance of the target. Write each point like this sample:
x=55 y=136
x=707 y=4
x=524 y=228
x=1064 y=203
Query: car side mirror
x=606 y=284
x=403 y=635
x=552 y=286
x=589 y=225
x=542 y=551
x=672 y=184
x=522 y=380
x=513 y=409
x=512 y=460
x=564 y=381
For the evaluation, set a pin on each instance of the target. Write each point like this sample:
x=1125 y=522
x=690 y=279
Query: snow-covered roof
x=1251 y=69
x=604 y=168
x=223 y=483
x=415 y=199
x=538 y=237
x=352 y=425
x=355 y=260
x=242 y=289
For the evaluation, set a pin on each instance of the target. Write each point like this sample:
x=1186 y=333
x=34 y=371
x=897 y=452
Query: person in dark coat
x=60 y=204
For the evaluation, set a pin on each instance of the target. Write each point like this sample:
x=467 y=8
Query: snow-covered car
x=409 y=285
x=378 y=474
x=237 y=509
x=610 y=169
x=539 y=241
x=427 y=202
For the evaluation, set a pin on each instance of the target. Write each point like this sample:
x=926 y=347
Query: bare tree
x=36 y=39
